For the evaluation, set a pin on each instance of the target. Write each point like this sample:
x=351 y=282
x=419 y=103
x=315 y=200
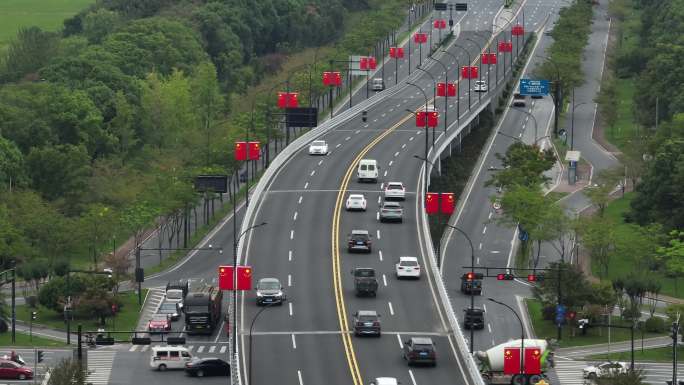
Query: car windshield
x=356 y=198
x=367 y=318
x=159 y=317
x=365 y=273
x=168 y=306
x=269 y=286
x=196 y=309
x=422 y=347
x=409 y=263
x=394 y=187
x=174 y=294
x=318 y=143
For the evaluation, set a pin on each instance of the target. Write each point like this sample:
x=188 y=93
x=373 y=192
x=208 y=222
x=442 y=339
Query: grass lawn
x=620 y=264
x=126 y=318
x=47 y=14
x=625 y=126
x=599 y=335
x=657 y=354
x=24 y=340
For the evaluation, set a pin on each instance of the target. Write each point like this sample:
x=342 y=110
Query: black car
x=420 y=350
x=473 y=318
x=207 y=367
x=359 y=240
x=367 y=322
x=269 y=291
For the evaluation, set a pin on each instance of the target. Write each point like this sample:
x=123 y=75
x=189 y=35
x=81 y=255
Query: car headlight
x=259 y=294
x=279 y=294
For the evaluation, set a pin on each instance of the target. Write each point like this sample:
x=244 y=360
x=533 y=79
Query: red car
x=10 y=369
x=159 y=323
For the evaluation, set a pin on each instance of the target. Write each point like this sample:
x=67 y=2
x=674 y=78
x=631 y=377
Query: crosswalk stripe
x=211 y=349
x=223 y=349
x=133 y=348
x=190 y=347
x=200 y=349
x=145 y=348
x=100 y=366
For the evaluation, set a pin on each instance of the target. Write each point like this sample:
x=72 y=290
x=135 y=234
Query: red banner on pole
x=517 y=30
x=254 y=150
x=451 y=89
x=505 y=46
x=225 y=277
x=439 y=23
x=244 y=278
x=240 y=151
x=484 y=58
x=492 y=58
x=432 y=203
x=511 y=361
x=446 y=89
x=396 y=52
x=420 y=119
x=441 y=89
x=420 y=37
x=432 y=118
x=469 y=72
x=288 y=100
x=448 y=203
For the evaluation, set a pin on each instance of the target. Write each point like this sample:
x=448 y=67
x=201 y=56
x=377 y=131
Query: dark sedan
x=207 y=367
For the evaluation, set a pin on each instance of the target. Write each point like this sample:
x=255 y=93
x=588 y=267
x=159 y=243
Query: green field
x=26 y=340
x=625 y=126
x=598 y=335
x=47 y=14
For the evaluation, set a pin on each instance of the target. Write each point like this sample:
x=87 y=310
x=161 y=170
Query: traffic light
x=504 y=277
x=470 y=276
x=39 y=355
x=535 y=277
x=34 y=315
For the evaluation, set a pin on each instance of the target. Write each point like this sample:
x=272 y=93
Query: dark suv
x=420 y=350
x=367 y=322
x=359 y=240
x=473 y=318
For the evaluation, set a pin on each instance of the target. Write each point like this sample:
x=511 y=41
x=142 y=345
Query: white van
x=169 y=357
x=378 y=84
x=368 y=170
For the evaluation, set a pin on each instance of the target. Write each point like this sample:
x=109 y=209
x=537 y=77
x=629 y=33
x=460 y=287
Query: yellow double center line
x=337 y=281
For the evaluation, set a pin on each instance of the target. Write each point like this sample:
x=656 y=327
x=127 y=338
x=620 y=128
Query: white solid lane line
x=385 y=174
x=299 y=375
x=377 y=216
x=289 y=255
x=480 y=247
x=390 y=163
x=401 y=344
x=306 y=185
x=320 y=162
x=313 y=172
x=396 y=153
x=294 y=217
x=294 y=343
x=300 y=199
x=413 y=379
x=380 y=254
x=384 y=279
x=489 y=326
x=347 y=138
x=378 y=233
x=290 y=304
x=289 y=280
x=379 y=199
x=390 y=307
x=338 y=145
x=291 y=234
x=410 y=139
x=403 y=146
x=484 y=230
x=382 y=185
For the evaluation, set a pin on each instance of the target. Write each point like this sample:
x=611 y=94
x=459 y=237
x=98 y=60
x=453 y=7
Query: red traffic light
x=470 y=276
x=504 y=277
x=531 y=278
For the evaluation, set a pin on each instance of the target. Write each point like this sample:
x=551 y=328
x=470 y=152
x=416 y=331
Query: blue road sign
x=534 y=87
x=560 y=310
x=523 y=235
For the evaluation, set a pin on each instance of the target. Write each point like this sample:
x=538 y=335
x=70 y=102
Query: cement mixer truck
x=501 y=363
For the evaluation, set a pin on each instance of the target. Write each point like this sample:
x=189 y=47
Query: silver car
x=391 y=212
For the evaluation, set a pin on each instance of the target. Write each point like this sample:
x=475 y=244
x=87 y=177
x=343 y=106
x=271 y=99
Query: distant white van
x=368 y=170
x=378 y=84
x=169 y=357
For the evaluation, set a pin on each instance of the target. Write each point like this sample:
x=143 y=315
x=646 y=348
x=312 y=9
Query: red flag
x=451 y=89
x=532 y=361
x=441 y=89
x=396 y=52
x=517 y=30
x=292 y=101
x=505 y=46
x=372 y=63
x=363 y=63
x=225 y=277
x=254 y=150
x=439 y=23
x=473 y=72
x=484 y=58
x=432 y=118
x=420 y=37
x=420 y=119
x=337 y=79
x=465 y=73
x=240 y=151
x=244 y=278
x=492 y=58
x=432 y=203
x=282 y=99
x=327 y=78
x=511 y=361
x=448 y=203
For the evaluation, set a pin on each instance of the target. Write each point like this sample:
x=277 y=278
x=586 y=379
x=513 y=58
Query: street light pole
x=266 y=306
x=522 y=334
x=426 y=136
x=479 y=94
x=472 y=267
x=446 y=98
x=557 y=92
x=469 y=62
x=434 y=97
x=572 y=120
x=235 y=261
x=458 y=88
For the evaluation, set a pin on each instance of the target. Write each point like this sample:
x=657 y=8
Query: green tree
x=598 y=238
x=12 y=172
x=30 y=51
x=674 y=256
x=604 y=185
x=576 y=290
x=100 y=23
x=59 y=172
x=523 y=165
x=207 y=101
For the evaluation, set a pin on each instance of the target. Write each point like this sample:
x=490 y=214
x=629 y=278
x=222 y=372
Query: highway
x=307 y=340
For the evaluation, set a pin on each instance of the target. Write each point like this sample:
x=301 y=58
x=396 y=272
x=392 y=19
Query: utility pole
x=675 y=337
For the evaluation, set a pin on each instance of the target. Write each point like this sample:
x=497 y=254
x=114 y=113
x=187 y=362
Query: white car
x=605 y=369
x=480 y=86
x=318 y=147
x=356 y=202
x=395 y=190
x=408 y=267
x=385 y=381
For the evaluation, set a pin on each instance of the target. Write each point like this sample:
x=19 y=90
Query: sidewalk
x=588 y=350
